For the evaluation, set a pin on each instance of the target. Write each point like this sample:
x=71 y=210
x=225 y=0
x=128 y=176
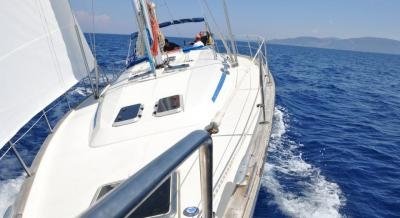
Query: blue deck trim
x=219 y=86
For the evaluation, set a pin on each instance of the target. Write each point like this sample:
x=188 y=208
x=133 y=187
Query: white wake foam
x=313 y=195
x=8 y=192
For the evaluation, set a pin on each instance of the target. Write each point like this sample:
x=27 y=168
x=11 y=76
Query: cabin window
x=128 y=114
x=157 y=204
x=162 y=202
x=169 y=105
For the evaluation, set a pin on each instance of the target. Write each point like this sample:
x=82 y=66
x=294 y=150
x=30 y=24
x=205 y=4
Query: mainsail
x=43 y=53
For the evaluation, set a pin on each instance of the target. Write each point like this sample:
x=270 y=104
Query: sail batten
x=40 y=59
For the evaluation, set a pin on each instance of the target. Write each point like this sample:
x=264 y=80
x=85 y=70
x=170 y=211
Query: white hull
x=85 y=152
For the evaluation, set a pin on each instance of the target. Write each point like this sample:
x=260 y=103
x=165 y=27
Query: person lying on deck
x=197 y=41
x=170 y=46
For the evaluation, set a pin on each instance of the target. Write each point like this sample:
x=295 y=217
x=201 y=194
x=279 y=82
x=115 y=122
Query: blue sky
x=269 y=18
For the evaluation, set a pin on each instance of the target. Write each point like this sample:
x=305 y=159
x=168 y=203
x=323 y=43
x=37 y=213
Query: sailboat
x=180 y=133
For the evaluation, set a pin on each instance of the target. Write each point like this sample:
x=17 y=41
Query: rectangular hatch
x=161 y=203
x=168 y=105
x=128 y=114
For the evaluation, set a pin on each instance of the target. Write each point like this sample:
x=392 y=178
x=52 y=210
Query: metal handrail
x=254 y=43
x=128 y=196
x=12 y=144
x=258 y=50
x=43 y=115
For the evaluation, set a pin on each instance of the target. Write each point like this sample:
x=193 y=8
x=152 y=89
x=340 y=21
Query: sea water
x=335 y=142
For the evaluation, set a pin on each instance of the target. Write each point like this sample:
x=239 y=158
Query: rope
x=172 y=18
x=59 y=102
x=23 y=135
x=93 y=34
x=5 y=153
x=96 y=70
x=90 y=34
x=221 y=36
x=50 y=42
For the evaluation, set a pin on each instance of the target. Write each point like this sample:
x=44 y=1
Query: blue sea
x=335 y=144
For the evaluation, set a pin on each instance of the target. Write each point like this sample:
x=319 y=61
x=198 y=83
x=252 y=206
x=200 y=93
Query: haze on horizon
x=273 y=19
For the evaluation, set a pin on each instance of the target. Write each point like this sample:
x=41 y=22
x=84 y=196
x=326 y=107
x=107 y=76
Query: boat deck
x=86 y=152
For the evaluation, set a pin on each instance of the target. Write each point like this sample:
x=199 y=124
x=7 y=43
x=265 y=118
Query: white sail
x=41 y=57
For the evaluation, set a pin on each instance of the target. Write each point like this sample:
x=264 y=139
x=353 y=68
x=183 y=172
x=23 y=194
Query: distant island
x=364 y=44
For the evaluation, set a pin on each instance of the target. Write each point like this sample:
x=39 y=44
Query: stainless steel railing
x=128 y=196
x=63 y=101
x=249 y=45
x=257 y=51
x=253 y=45
x=115 y=68
x=42 y=115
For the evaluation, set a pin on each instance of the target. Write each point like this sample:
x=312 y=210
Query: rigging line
x=230 y=34
x=55 y=105
x=80 y=44
x=90 y=36
x=5 y=153
x=172 y=18
x=50 y=42
x=26 y=132
x=96 y=70
x=221 y=36
x=212 y=16
x=34 y=124
x=93 y=29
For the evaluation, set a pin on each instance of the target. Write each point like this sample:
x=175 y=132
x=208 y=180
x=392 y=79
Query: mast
x=148 y=29
x=144 y=32
x=154 y=26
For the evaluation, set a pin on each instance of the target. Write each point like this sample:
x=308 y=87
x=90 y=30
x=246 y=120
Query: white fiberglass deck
x=83 y=155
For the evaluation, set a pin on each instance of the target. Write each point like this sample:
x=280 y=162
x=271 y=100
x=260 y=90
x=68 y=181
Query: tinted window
x=158 y=203
x=169 y=105
x=128 y=114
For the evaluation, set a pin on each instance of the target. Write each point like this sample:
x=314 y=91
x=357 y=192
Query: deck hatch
x=168 y=105
x=128 y=114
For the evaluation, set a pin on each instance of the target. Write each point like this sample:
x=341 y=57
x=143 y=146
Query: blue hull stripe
x=219 y=86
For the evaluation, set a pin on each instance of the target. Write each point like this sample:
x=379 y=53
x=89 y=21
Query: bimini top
x=174 y=22
x=132 y=59
x=181 y=21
